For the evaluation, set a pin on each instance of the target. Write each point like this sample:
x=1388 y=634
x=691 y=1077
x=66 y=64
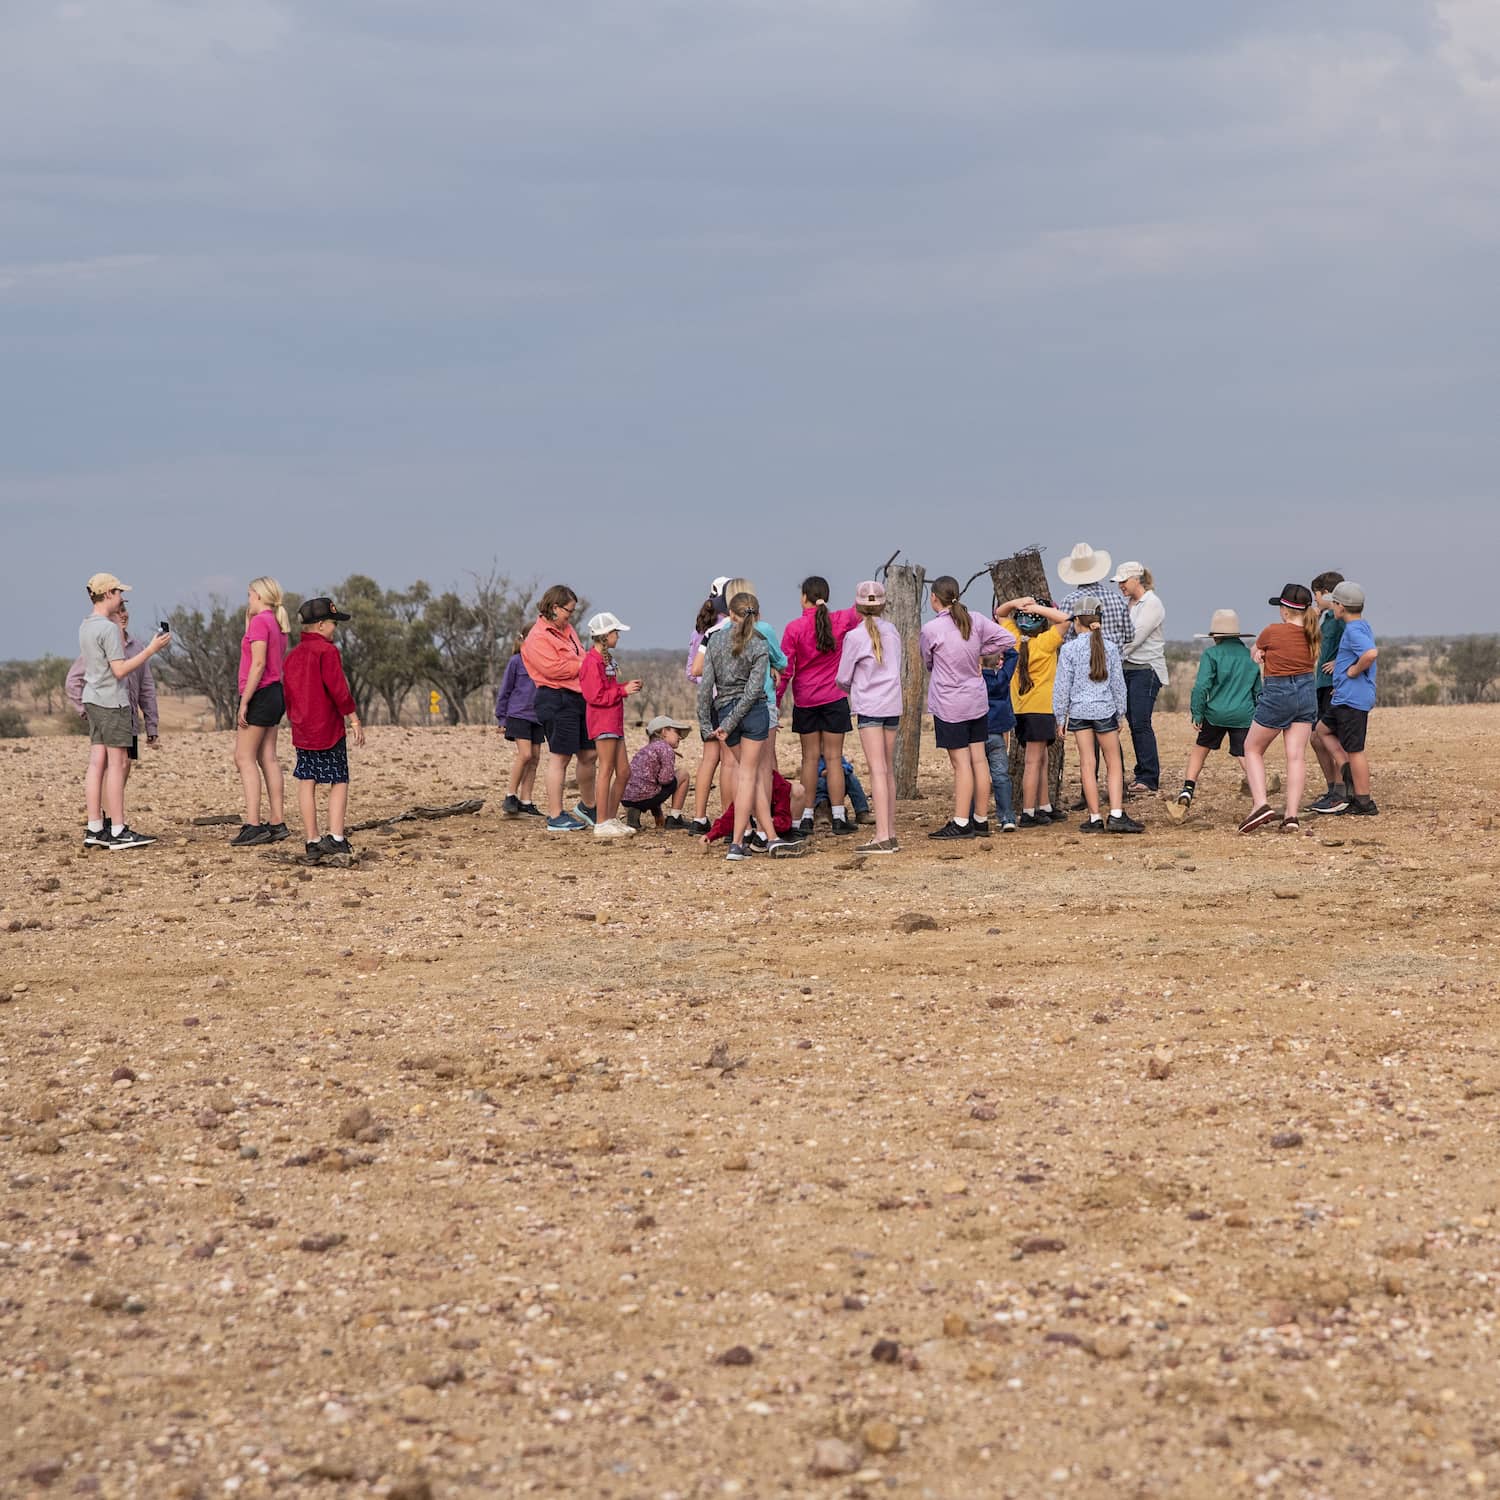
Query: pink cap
x=870 y=592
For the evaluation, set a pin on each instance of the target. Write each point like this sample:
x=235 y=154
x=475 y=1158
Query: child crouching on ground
x=653 y=776
x=787 y=805
x=1225 y=693
x=318 y=702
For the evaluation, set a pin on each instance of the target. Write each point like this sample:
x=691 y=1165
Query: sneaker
x=531 y=810
x=805 y=826
x=1081 y=805
x=127 y=838
x=1030 y=820
x=249 y=834
x=586 y=815
x=613 y=828
x=280 y=833
x=511 y=807
x=842 y=825
x=98 y=840
x=1140 y=789
x=1124 y=823
x=676 y=823
x=1330 y=802
x=1045 y=815
x=335 y=848
x=788 y=848
x=951 y=830
x=979 y=827
x=1008 y=826
x=1259 y=818
x=313 y=853
x=1091 y=825
x=562 y=823
x=737 y=851
x=757 y=842
x=1364 y=808
x=699 y=827
x=865 y=819
x=1185 y=797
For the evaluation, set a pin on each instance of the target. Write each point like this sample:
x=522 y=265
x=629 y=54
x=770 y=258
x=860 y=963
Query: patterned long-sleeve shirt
x=1114 y=609
x=731 y=684
x=1075 y=695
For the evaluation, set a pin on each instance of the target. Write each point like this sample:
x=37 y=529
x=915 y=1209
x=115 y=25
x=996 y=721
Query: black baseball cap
x=1294 y=596
x=311 y=611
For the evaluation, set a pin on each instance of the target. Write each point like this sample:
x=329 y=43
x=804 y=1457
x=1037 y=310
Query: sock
x=961 y=822
x=1190 y=786
x=806 y=819
x=96 y=827
x=1031 y=812
x=1117 y=812
x=1046 y=807
x=1095 y=818
x=338 y=838
x=838 y=813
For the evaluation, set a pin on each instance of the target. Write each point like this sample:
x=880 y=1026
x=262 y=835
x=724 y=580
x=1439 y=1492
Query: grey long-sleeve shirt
x=731 y=684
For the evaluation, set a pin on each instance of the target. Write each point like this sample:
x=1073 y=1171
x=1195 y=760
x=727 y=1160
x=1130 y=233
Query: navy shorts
x=327 y=767
x=524 y=729
x=960 y=735
x=879 y=721
x=1211 y=736
x=822 y=718
x=1350 y=725
x=756 y=725
x=1285 y=701
x=1036 y=729
x=1111 y=725
x=564 y=720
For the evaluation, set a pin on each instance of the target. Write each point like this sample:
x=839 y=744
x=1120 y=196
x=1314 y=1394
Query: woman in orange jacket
x=552 y=654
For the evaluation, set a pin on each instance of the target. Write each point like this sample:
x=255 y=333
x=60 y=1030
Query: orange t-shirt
x=1286 y=650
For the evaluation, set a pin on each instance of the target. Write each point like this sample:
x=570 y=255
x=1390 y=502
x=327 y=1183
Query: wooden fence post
x=905 y=594
x=1014 y=578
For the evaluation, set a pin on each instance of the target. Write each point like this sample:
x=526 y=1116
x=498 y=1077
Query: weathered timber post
x=1013 y=578
x=905 y=594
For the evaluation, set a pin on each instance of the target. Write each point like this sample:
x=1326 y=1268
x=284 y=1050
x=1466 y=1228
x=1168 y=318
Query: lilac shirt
x=517 y=696
x=874 y=687
x=956 y=690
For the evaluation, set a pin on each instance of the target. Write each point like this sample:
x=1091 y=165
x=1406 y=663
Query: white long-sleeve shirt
x=1148 y=641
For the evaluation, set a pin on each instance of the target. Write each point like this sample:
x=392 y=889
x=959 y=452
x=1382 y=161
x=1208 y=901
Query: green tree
x=1473 y=664
x=204 y=656
x=471 y=634
x=49 y=676
x=386 y=645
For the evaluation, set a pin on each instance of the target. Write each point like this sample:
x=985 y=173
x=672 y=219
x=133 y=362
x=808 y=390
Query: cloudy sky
x=629 y=293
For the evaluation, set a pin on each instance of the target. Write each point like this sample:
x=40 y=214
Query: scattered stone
x=249 y=1153
x=983 y=1112
x=1404 y=1247
x=317 y=1243
x=880 y=1436
x=832 y=1457
x=970 y=1140
x=1109 y=1345
x=1279 y=1311
x=336 y=1469
x=409 y=1489
x=956 y=1326
x=43 y=1145
x=1159 y=1064
x=206 y=1119
x=1284 y=1140
x=1071 y=1340
x=737 y=1354
x=886 y=1352
x=1040 y=1244
x=452 y=1374
x=122 y=1075
x=915 y=921
x=737 y=1163
x=354 y=1121
x=45 y=1472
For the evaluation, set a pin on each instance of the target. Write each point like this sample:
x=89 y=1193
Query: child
x=787 y=802
x=820 y=713
x=998 y=671
x=605 y=695
x=952 y=644
x=653 y=776
x=318 y=702
x=1038 y=630
x=1343 y=727
x=106 y=705
x=1288 y=705
x=854 y=792
x=1225 y=693
x=515 y=713
x=1331 y=629
x=710 y=613
x=869 y=671
x=261 y=708
x=1088 y=693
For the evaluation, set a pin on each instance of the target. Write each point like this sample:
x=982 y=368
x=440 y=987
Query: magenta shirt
x=956 y=690
x=874 y=687
x=813 y=673
x=263 y=628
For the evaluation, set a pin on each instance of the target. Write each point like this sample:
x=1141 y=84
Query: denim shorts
x=879 y=721
x=1111 y=725
x=756 y=725
x=1285 y=701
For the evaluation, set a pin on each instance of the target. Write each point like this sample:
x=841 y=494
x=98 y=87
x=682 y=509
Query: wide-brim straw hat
x=1224 y=622
x=1084 y=565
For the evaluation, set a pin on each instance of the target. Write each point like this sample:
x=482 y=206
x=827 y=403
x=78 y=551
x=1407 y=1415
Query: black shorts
x=1211 y=736
x=822 y=718
x=651 y=804
x=135 y=747
x=1349 y=724
x=524 y=729
x=563 y=717
x=266 y=707
x=1325 y=702
x=1036 y=729
x=957 y=736
x=1111 y=725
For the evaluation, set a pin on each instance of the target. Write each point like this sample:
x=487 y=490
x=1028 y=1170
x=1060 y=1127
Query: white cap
x=1128 y=570
x=603 y=623
x=717 y=586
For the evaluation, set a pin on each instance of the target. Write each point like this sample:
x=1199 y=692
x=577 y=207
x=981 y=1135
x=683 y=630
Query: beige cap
x=1128 y=570
x=103 y=583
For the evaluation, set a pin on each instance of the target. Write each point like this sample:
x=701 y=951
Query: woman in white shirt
x=1145 y=671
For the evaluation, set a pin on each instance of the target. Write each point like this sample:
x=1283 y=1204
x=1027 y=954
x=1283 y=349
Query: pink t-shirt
x=263 y=628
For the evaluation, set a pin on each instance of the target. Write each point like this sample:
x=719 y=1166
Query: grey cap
x=1350 y=595
x=666 y=721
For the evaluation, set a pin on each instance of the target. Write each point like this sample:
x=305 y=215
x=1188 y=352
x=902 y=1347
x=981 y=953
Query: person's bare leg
x=338 y=807
x=679 y=797
x=876 y=742
x=587 y=764
x=749 y=779
x=557 y=778
x=1114 y=769
x=1197 y=759
x=963 y=783
x=1297 y=736
x=1359 y=772
x=1088 y=776
x=114 y=785
x=521 y=760
x=93 y=783
x=979 y=780
x=1257 y=742
x=1034 y=775
x=270 y=768
x=729 y=774
x=707 y=765
x=247 y=763
x=1326 y=747
x=811 y=748
x=768 y=761
x=833 y=764
x=798 y=798
x=307 y=805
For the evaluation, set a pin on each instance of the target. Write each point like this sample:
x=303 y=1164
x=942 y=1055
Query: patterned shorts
x=325 y=766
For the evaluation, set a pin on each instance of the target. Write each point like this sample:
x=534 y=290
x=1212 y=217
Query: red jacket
x=317 y=694
x=781 y=810
x=599 y=683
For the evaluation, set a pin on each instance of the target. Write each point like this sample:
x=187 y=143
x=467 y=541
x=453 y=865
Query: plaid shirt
x=1114 y=609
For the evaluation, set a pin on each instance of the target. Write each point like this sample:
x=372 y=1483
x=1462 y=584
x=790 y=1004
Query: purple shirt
x=517 y=696
x=654 y=766
x=874 y=687
x=956 y=690
x=140 y=685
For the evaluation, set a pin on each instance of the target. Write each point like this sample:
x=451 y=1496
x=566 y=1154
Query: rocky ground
x=502 y=1164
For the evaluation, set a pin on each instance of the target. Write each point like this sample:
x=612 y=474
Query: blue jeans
x=998 y=750
x=852 y=789
x=1141 y=687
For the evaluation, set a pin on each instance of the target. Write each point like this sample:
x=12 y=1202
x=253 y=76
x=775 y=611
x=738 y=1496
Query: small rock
x=1040 y=1244
x=1110 y=1345
x=317 y=1243
x=206 y=1119
x=1284 y=1140
x=983 y=1112
x=39 y=1111
x=1404 y=1247
x=833 y=1456
x=43 y=1145
x=444 y=1375
x=737 y=1163
x=880 y=1436
x=1331 y=1294
x=1159 y=1064
x=915 y=921
x=1279 y=1311
x=737 y=1354
x=886 y=1352
x=970 y=1140
x=249 y=1153
x=122 y=1075
x=1237 y=1219
x=955 y=1326
x=45 y=1472
x=409 y=1489
x=355 y=1121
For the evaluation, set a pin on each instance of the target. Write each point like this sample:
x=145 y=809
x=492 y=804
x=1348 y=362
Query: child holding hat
x=653 y=776
x=1225 y=693
x=605 y=695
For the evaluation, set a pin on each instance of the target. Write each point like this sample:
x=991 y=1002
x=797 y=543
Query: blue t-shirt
x=1354 y=692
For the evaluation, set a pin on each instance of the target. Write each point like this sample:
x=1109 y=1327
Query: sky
x=630 y=293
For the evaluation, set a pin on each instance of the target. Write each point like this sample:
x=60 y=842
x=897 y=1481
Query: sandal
x=1258 y=819
x=1290 y=825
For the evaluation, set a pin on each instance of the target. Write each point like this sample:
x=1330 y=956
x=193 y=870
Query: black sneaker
x=1185 y=797
x=795 y=835
x=979 y=827
x=92 y=840
x=1330 y=802
x=842 y=825
x=251 y=834
x=1124 y=823
x=1361 y=807
x=511 y=807
x=699 y=826
x=1091 y=825
x=951 y=830
x=279 y=832
x=1081 y=805
x=313 y=853
x=335 y=848
x=127 y=838
x=1030 y=820
x=532 y=810
x=756 y=843
x=1051 y=815
x=675 y=822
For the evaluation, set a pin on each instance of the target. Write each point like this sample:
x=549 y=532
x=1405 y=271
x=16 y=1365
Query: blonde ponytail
x=269 y=592
x=872 y=614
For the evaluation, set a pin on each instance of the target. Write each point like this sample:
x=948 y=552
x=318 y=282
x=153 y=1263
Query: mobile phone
x=165 y=626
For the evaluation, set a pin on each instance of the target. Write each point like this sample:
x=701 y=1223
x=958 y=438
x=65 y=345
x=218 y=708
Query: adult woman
x=1145 y=671
x=262 y=649
x=552 y=654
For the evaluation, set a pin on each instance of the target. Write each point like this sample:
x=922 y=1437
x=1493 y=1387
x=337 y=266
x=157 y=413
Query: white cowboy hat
x=1084 y=565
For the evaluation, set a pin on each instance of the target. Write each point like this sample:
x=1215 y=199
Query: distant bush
x=12 y=723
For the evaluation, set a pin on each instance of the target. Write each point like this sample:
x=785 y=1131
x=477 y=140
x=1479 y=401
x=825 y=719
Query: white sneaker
x=613 y=828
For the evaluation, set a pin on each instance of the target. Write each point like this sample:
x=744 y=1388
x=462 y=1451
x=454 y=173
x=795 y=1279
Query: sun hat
x=1294 y=596
x=717 y=586
x=102 y=583
x=1084 y=565
x=666 y=721
x=869 y=592
x=1087 y=608
x=603 y=623
x=1128 y=570
x=311 y=611
x=1350 y=595
x=1224 y=622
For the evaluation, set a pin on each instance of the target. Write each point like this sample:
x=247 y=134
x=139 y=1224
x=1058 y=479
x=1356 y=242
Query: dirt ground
x=507 y=1164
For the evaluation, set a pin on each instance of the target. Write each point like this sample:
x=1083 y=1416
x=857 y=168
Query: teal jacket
x=1227 y=687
